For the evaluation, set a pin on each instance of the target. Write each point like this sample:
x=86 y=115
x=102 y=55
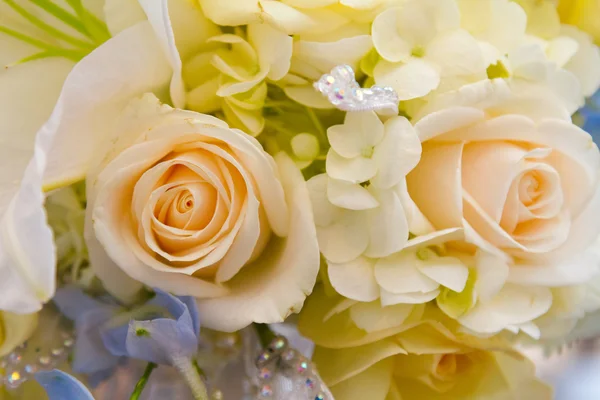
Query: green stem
x=316 y=122
x=141 y=384
x=265 y=334
x=190 y=374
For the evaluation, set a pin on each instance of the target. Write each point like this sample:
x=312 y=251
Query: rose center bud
x=513 y=196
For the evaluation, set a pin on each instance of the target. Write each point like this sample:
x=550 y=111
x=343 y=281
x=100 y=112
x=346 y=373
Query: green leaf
x=61 y=14
x=48 y=28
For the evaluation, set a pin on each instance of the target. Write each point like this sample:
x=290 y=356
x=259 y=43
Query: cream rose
x=184 y=203
x=517 y=175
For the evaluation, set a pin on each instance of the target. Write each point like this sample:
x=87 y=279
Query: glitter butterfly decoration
x=342 y=90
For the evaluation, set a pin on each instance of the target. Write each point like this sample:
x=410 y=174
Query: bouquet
x=295 y=199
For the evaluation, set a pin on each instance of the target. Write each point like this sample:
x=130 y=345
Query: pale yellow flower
x=295 y=16
x=583 y=14
x=415 y=355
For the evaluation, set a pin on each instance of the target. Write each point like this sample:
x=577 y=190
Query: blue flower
x=161 y=329
x=591 y=116
x=159 y=340
x=62 y=386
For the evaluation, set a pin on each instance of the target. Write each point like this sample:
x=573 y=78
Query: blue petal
x=73 y=302
x=62 y=386
x=90 y=355
x=114 y=340
x=177 y=307
x=162 y=339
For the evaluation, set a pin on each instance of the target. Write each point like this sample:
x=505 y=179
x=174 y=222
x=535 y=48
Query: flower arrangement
x=416 y=179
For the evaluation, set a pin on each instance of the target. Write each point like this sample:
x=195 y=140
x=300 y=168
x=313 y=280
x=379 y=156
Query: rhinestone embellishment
x=342 y=90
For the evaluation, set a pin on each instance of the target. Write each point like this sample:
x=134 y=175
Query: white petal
x=142 y=68
x=372 y=317
x=456 y=53
x=122 y=14
x=397 y=154
x=325 y=212
x=352 y=170
x=157 y=12
x=323 y=56
x=345 y=238
x=389 y=298
x=399 y=274
x=447 y=271
x=350 y=196
x=307 y=96
x=412 y=80
x=514 y=305
x=387 y=40
x=355 y=279
x=276 y=284
x=274 y=49
x=361 y=131
x=492 y=273
x=27 y=253
x=585 y=64
x=387 y=225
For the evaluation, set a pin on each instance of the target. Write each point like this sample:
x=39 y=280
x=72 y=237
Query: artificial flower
x=62 y=386
x=500 y=167
x=205 y=202
x=583 y=14
x=417 y=56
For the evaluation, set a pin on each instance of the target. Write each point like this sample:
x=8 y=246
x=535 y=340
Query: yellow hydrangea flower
x=421 y=356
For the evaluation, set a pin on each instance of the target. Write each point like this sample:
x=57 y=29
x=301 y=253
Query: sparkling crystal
x=278 y=344
x=265 y=373
x=320 y=396
x=44 y=361
x=310 y=383
x=289 y=355
x=58 y=351
x=14 y=379
x=302 y=367
x=263 y=358
x=30 y=369
x=15 y=358
x=266 y=391
x=345 y=93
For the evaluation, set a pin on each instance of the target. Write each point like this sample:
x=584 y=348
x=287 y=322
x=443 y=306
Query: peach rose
x=517 y=175
x=184 y=203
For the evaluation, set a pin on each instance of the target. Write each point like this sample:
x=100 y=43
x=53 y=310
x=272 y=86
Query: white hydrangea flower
x=502 y=305
x=365 y=149
x=533 y=73
x=421 y=43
